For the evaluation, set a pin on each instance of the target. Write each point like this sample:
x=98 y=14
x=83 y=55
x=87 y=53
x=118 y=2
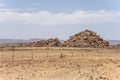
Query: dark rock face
x=86 y=38
x=46 y=43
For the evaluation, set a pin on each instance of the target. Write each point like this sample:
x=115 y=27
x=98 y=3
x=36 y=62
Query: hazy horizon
x=28 y=19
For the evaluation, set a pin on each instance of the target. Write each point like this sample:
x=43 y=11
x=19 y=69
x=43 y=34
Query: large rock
x=86 y=38
x=46 y=43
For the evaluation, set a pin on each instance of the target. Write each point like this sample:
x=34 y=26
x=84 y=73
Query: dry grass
x=47 y=64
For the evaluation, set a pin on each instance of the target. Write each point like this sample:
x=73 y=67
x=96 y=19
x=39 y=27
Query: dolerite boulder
x=85 y=39
x=46 y=43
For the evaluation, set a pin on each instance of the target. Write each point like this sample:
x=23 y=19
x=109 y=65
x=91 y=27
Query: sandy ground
x=67 y=68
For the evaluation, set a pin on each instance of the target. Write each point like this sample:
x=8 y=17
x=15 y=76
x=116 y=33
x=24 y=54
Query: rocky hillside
x=83 y=39
x=46 y=43
x=86 y=38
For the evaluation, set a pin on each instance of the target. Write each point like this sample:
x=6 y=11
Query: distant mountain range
x=18 y=40
x=21 y=40
x=112 y=42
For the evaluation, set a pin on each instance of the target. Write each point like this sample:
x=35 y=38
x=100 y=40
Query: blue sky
x=25 y=19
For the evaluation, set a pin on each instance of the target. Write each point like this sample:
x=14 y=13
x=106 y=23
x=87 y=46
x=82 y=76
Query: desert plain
x=58 y=63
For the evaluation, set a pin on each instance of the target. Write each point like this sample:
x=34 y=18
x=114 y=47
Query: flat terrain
x=59 y=64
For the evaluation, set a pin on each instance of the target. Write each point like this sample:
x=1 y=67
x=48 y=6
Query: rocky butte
x=85 y=39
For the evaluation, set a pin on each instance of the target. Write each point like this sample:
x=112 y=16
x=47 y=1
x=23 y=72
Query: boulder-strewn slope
x=86 y=38
x=46 y=43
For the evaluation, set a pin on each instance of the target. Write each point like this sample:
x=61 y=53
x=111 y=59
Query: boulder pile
x=46 y=43
x=85 y=39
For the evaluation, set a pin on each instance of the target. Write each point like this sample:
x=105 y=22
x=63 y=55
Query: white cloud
x=45 y=18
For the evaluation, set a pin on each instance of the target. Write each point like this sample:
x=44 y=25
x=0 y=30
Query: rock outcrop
x=85 y=39
x=46 y=43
